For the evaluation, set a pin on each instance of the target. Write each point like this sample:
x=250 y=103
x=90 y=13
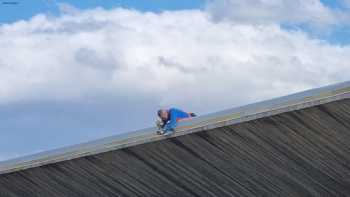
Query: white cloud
x=180 y=58
x=67 y=8
x=346 y=2
x=310 y=12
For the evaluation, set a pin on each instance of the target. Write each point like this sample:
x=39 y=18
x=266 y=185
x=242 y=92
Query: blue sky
x=26 y=9
x=69 y=78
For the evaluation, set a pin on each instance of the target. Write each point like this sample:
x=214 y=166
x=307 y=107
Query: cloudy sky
x=74 y=71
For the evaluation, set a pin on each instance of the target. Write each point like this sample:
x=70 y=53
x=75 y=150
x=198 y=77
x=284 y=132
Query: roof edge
x=245 y=113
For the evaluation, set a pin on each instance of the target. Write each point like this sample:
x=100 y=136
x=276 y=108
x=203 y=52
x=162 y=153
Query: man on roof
x=169 y=118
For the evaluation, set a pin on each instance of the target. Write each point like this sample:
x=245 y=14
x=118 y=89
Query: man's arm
x=170 y=126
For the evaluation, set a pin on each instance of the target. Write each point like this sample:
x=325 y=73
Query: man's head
x=163 y=114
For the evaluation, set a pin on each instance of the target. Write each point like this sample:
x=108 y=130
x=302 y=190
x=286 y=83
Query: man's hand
x=160 y=132
x=159 y=124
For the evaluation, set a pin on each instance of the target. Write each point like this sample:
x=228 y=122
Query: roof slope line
x=254 y=111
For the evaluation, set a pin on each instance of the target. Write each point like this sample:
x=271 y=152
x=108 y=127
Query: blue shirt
x=174 y=116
